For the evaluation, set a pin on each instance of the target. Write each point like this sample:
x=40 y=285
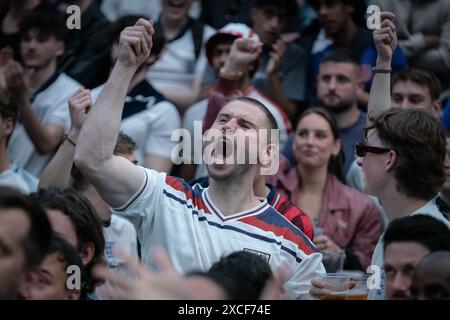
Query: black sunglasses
x=362 y=149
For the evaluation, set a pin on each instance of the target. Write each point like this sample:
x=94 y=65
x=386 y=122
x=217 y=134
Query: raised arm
x=115 y=178
x=57 y=172
x=385 y=40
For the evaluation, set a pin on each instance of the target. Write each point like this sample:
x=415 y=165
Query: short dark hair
x=117 y=27
x=335 y=165
x=290 y=6
x=420 y=77
x=8 y=108
x=46 y=22
x=359 y=9
x=419 y=141
x=66 y=253
x=37 y=241
x=242 y=274
x=87 y=224
x=341 y=55
x=425 y=230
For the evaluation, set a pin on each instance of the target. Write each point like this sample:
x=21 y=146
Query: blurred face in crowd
x=236 y=121
x=220 y=54
x=446 y=187
x=14 y=226
x=38 y=50
x=334 y=15
x=50 y=282
x=400 y=259
x=431 y=279
x=175 y=10
x=376 y=173
x=338 y=85
x=408 y=94
x=314 y=142
x=268 y=23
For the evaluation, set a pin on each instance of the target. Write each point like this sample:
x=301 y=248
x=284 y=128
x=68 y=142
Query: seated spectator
x=431 y=278
x=25 y=233
x=179 y=72
x=406 y=242
x=87 y=49
x=148 y=117
x=50 y=279
x=350 y=220
x=74 y=219
x=423 y=31
x=338 y=86
x=44 y=114
x=281 y=74
x=343 y=25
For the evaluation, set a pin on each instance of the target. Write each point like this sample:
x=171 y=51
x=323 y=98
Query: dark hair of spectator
x=87 y=224
x=335 y=163
x=242 y=274
x=47 y=23
x=8 y=108
x=66 y=253
x=117 y=27
x=419 y=142
x=37 y=241
x=421 y=78
x=425 y=230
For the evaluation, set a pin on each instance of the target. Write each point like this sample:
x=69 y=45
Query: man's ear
x=60 y=47
x=436 y=107
x=87 y=253
x=8 y=126
x=392 y=159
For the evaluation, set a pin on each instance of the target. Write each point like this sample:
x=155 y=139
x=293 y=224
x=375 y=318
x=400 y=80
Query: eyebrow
x=239 y=119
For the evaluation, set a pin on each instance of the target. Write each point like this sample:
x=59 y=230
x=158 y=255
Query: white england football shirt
x=183 y=220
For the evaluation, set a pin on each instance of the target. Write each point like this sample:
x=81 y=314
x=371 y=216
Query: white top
x=9 y=178
x=150 y=128
x=429 y=209
x=184 y=221
x=177 y=67
x=50 y=106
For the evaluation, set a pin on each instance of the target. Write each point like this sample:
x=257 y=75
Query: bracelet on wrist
x=378 y=70
x=232 y=75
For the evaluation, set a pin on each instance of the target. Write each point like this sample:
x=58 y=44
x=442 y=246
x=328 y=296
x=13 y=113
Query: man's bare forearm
x=98 y=136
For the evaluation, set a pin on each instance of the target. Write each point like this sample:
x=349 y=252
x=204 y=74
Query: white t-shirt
x=429 y=209
x=198 y=110
x=151 y=127
x=183 y=220
x=9 y=178
x=49 y=104
x=177 y=67
x=119 y=234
